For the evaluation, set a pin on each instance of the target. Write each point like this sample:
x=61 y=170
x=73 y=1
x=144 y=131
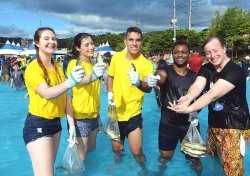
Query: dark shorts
x=129 y=126
x=37 y=127
x=85 y=126
x=169 y=141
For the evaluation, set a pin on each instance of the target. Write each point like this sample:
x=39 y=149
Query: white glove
x=76 y=76
x=152 y=80
x=134 y=78
x=97 y=71
x=72 y=136
x=111 y=98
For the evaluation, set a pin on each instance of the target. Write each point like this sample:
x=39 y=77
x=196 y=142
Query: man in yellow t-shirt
x=130 y=75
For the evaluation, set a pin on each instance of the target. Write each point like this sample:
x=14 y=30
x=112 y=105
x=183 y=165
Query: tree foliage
x=233 y=27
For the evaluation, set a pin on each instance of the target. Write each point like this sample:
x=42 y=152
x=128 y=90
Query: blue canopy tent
x=14 y=45
x=8 y=49
x=105 y=48
x=31 y=51
x=19 y=47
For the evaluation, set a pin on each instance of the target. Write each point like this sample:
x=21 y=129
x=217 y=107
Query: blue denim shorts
x=129 y=126
x=36 y=127
x=84 y=126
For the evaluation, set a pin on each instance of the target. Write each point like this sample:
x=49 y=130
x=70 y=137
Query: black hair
x=107 y=61
x=181 y=42
x=133 y=29
x=77 y=43
x=154 y=53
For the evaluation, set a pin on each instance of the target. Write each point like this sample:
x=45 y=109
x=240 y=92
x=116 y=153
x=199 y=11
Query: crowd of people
x=184 y=84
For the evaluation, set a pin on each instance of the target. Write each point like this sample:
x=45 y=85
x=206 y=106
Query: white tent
x=7 y=48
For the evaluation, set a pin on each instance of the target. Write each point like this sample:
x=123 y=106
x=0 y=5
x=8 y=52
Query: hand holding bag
x=71 y=162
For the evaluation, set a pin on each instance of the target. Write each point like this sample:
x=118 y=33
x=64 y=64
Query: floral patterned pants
x=226 y=144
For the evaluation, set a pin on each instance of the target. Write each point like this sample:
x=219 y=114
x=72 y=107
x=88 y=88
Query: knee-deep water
x=15 y=161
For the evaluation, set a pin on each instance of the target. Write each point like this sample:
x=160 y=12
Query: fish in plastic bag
x=111 y=128
x=192 y=144
x=71 y=163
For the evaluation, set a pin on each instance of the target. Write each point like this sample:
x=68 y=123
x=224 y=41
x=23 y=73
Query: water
x=15 y=161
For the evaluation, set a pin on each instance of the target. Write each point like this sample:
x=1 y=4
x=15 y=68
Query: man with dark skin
x=174 y=82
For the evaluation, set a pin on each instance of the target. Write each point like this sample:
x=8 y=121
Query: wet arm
x=196 y=88
x=144 y=86
x=220 y=88
x=69 y=112
x=110 y=83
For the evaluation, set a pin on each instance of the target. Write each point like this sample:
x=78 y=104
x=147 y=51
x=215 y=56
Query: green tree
x=232 y=27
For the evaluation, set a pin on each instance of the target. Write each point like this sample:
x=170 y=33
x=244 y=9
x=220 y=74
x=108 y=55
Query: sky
x=20 y=18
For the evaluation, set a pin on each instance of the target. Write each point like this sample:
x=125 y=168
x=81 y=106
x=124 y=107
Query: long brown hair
x=37 y=37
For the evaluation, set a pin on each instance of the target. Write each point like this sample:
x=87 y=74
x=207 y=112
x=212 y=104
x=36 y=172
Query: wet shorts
x=129 y=126
x=84 y=126
x=37 y=127
x=169 y=141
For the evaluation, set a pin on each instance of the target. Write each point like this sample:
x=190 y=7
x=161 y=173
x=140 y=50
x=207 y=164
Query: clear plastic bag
x=71 y=163
x=192 y=144
x=111 y=128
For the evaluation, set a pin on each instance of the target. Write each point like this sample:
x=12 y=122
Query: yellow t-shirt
x=38 y=105
x=128 y=98
x=85 y=98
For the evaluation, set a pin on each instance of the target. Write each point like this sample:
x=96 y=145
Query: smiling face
x=47 y=42
x=133 y=41
x=215 y=52
x=86 y=48
x=180 y=55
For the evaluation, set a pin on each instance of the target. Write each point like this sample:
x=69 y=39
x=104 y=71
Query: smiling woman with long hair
x=49 y=102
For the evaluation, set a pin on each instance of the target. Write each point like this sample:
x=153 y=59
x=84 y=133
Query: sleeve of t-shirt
x=112 y=65
x=233 y=74
x=164 y=68
x=70 y=66
x=147 y=68
x=34 y=76
x=162 y=64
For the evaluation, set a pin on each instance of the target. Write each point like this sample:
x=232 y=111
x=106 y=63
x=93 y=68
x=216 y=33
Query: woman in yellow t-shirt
x=49 y=102
x=86 y=95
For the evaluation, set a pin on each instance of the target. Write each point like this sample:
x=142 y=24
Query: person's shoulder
x=72 y=62
x=58 y=65
x=119 y=54
x=33 y=67
x=32 y=64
